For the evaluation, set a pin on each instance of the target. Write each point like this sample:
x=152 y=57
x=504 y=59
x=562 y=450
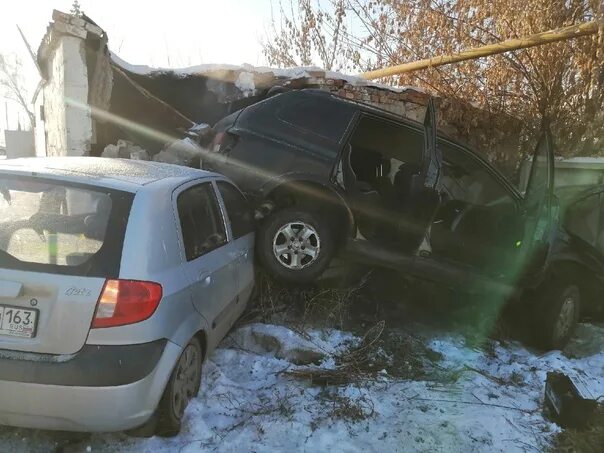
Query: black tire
x=177 y=393
x=557 y=314
x=310 y=268
x=148 y=429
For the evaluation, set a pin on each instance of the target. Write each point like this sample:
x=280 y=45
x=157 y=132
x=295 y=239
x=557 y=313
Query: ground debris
x=280 y=341
x=344 y=407
x=380 y=353
x=185 y=152
x=125 y=149
x=590 y=440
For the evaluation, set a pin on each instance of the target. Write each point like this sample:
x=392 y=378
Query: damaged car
x=117 y=279
x=330 y=175
x=581 y=242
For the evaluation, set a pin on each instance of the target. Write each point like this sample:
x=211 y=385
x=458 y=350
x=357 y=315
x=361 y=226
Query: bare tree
x=76 y=9
x=305 y=34
x=12 y=84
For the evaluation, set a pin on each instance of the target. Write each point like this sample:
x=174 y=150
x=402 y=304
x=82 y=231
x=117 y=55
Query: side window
x=467 y=180
x=238 y=209
x=582 y=219
x=385 y=155
x=319 y=116
x=201 y=221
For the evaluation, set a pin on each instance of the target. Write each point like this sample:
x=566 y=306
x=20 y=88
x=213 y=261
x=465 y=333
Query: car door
x=207 y=255
x=583 y=220
x=410 y=216
x=477 y=222
x=422 y=202
x=432 y=153
x=486 y=262
x=539 y=211
x=240 y=220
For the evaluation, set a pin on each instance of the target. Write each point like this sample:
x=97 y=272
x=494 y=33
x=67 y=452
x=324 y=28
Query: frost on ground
x=486 y=399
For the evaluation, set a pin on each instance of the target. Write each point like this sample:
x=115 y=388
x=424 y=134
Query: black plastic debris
x=565 y=404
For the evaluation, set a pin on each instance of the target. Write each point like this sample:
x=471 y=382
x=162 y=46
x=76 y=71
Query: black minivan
x=329 y=175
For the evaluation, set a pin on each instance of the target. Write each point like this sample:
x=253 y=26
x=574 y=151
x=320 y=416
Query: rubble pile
x=188 y=151
x=125 y=149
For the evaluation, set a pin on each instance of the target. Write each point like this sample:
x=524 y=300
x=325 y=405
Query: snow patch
x=247 y=81
x=247 y=403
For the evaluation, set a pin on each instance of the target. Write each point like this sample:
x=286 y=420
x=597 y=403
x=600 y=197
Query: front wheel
x=557 y=315
x=296 y=245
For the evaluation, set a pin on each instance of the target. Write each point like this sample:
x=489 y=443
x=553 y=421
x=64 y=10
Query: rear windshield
x=51 y=226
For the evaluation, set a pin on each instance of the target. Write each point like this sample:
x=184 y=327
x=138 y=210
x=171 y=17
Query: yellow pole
x=559 y=34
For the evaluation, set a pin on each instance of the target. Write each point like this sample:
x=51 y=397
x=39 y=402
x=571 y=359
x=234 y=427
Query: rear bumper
x=86 y=407
x=92 y=366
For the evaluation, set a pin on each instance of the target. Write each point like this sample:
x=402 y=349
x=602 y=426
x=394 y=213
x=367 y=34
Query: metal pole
x=559 y=34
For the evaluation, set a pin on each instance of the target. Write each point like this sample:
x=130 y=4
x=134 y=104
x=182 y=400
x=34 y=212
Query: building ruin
x=89 y=98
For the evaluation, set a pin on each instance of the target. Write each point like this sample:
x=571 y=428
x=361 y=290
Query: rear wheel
x=183 y=385
x=296 y=245
x=557 y=315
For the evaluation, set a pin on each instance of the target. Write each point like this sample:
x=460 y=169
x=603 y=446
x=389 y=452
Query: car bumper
x=83 y=407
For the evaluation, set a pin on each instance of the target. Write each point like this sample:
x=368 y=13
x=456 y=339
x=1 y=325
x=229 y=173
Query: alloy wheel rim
x=565 y=318
x=185 y=383
x=296 y=245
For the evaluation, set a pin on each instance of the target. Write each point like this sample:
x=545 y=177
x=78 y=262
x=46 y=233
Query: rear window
x=50 y=226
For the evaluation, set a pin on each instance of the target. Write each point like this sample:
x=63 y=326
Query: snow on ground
x=485 y=399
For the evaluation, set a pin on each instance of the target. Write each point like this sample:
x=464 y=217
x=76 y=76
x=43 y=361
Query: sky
x=172 y=33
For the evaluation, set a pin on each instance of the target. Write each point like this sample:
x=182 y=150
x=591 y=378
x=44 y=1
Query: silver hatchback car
x=117 y=279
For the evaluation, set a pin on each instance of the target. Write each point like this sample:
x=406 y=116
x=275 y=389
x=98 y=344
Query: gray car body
x=202 y=298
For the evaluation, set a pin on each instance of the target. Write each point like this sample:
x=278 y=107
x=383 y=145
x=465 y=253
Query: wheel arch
x=575 y=272
x=313 y=191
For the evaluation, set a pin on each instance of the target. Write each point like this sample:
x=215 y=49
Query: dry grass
x=349 y=365
x=350 y=409
x=396 y=353
x=300 y=307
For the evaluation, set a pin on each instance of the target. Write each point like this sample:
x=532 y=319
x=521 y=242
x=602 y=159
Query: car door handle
x=205 y=278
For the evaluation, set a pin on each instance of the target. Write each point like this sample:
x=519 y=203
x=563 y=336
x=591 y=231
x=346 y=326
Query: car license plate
x=18 y=322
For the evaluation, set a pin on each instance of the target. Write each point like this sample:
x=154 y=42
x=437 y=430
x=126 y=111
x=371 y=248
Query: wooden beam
x=148 y=95
x=559 y=34
x=31 y=52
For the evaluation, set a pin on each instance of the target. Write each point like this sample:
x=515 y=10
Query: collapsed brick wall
x=154 y=99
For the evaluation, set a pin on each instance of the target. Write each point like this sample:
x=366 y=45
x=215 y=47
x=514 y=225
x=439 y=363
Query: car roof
x=378 y=111
x=122 y=174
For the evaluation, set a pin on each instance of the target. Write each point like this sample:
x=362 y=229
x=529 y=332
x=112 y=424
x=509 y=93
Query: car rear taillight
x=217 y=142
x=223 y=142
x=126 y=302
